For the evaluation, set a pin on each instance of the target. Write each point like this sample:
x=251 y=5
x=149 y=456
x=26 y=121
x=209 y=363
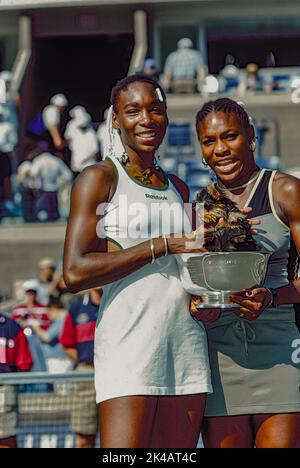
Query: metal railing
x=47 y=410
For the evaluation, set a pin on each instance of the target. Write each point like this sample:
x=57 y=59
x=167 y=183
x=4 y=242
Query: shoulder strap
x=260 y=202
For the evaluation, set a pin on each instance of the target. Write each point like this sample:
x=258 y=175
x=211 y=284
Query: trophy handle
x=205 y=258
x=259 y=269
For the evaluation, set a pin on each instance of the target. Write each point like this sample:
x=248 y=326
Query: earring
x=155 y=162
x=204 y=163
x=124 y=159
x=253 y=146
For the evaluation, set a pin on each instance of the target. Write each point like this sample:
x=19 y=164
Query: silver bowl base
x=216 y=300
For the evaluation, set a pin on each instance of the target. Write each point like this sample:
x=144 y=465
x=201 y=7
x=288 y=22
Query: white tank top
x=138 y=212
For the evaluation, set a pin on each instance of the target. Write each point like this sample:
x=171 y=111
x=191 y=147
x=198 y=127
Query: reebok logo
x=156 y=197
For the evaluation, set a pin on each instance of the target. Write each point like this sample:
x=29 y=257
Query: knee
x=275 y=442
x=10 y=442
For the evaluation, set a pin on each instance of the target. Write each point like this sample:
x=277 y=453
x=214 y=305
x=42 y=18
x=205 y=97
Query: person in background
x=249 y=81
x=46 y=279
x=229 y=78
x=56 y=359
x=8 y=141
x=54 y=120
x=49 y=175
x=77 y=339
x=28 y=314
x=31 y=310
x=184 y=71
x=82 y=139
x=11 y=103
x=11 y=97
x=11 y=106
x=15 y=356
x=26 y=183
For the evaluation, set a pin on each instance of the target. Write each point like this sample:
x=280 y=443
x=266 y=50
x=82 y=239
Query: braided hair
x=225 y=105
x=123 y=84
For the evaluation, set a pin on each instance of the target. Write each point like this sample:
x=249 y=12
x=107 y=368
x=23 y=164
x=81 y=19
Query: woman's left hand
x=203 y=315
x=253 y=301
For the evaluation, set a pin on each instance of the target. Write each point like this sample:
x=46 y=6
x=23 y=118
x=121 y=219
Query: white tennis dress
x=146 y=342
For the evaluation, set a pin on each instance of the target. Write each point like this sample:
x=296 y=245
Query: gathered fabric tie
x=248 y=334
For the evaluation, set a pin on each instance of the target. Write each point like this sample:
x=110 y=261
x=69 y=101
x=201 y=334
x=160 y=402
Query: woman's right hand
x=203 y=315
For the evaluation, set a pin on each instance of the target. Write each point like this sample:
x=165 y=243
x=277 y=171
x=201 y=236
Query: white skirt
x=146 y=342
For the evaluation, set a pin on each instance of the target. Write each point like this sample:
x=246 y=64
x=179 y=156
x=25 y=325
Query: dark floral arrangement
x=226 y=227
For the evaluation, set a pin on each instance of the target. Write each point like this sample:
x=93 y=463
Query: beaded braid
x=125 y=82
x=223 y=105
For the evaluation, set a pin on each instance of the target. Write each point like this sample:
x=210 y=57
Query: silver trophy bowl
x=216 y=275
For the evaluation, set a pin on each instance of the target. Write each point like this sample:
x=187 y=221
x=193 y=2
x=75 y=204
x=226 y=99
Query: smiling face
x=141 y=118
x=225 y=145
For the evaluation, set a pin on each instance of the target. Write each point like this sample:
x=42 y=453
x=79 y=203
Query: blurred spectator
x=184 y=70
x=77 y=339
x=150 y=69
x=11 y=107
x=53 y=119
x=46 y=282
x=15 y=356
x=253 y=82
x=249 y=80
x=229 y=78
x=56 y=359
x=8 y=141
x=49 y=174
x=31 y=312
x=26 y=184
x=27 y=314
x=11 y=102
x=82 y=139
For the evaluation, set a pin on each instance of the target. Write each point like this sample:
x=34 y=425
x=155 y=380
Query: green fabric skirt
x=255 y=365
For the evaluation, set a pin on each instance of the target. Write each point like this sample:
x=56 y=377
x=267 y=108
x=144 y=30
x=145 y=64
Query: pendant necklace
x=144 y=176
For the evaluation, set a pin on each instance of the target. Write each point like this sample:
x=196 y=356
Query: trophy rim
x=190 y=263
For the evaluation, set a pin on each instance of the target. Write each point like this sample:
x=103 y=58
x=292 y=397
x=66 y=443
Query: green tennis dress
x=256 y=365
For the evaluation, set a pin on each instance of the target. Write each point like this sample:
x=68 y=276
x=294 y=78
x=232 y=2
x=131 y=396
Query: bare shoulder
x=99 y=171
x=181 y=187
x=97 y=180
x=286 y=193
x=286 y=185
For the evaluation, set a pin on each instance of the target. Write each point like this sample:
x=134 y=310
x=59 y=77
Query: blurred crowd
x=45 y=312
x=185 y=71
x=48 y=330
x=61 y=141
